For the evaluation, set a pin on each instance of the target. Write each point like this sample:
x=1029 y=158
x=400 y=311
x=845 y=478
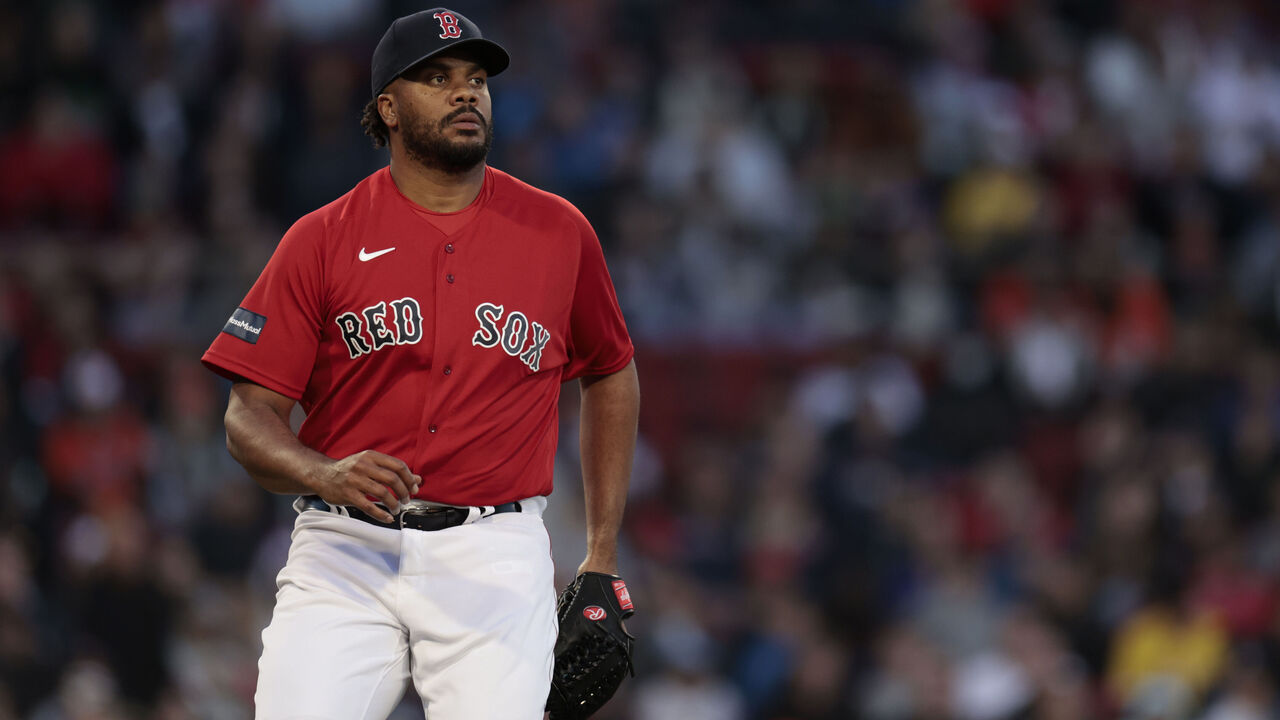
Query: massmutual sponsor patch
x=246 y=325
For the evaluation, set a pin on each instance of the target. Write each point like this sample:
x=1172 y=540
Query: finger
x=373 y=493
x=373 y=510
x=405 y=479
x=390 y=479
x=381 y=492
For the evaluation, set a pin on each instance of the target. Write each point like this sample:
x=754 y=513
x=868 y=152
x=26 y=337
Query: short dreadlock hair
x=373 y=124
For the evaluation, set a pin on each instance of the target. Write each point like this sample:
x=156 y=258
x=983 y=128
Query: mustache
x=464 y=111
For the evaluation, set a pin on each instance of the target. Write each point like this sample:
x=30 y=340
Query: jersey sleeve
x=272 y=338
x=598 y=340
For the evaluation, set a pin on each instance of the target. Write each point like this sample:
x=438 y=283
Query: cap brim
x=491 y=56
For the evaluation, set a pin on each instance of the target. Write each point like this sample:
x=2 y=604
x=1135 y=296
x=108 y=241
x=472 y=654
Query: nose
x=464 y=93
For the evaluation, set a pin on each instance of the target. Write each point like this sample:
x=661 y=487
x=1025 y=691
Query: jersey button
x=449 y=277
x=449 y=248
x=431 y=429
x=448 y=371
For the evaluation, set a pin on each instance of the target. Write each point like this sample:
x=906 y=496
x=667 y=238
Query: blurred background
x=956 y=324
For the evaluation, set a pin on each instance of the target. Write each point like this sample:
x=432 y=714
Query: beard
x=425 y=142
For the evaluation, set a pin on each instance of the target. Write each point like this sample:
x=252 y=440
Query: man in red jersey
x=425 y=322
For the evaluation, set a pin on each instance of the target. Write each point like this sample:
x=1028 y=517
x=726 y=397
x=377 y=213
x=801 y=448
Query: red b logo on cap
x=593 y=612
x=448 y=25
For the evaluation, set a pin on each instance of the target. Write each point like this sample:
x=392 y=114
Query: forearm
x=260 y=439
x=610 y=413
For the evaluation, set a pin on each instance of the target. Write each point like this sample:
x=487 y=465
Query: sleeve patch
x=246 y=325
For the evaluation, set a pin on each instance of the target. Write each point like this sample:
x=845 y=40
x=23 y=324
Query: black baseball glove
x=593 y=651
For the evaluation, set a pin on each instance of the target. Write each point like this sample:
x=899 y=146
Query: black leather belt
x=429 y=518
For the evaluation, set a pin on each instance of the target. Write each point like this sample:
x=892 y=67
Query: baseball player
x=425 y=322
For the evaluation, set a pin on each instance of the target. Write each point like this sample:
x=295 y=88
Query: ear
x=387 y=109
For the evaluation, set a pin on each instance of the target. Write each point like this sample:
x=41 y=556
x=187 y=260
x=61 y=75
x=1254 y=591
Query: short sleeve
x=272 y=337
x=598 y=340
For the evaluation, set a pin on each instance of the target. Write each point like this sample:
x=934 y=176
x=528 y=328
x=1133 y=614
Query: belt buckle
x=418 y=507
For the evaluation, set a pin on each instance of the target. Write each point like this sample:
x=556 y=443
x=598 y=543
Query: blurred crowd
x=958 y=327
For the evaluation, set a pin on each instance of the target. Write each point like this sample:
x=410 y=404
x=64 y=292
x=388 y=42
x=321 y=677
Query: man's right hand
x=261 y=439
x=366 y=478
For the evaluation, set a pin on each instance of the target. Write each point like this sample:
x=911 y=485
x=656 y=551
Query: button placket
x=448 y=250
x=449 y=278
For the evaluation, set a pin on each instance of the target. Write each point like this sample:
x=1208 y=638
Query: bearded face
x=444 y=146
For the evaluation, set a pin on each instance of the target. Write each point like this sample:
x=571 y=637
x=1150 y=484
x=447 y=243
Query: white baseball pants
x=466 y=613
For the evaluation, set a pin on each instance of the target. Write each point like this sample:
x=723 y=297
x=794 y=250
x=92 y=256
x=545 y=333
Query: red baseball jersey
x=438 y=338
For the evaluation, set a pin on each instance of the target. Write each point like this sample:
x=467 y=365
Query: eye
x=437 y=79
x=478 y=81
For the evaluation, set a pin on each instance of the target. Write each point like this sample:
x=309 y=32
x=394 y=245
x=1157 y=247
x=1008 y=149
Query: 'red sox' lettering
x=398 y=322
x=515 y=332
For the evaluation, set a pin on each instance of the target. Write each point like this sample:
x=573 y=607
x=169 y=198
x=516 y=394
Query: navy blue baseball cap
x=414 y=38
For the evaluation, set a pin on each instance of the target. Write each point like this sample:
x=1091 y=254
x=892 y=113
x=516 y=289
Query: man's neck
x=433 y=189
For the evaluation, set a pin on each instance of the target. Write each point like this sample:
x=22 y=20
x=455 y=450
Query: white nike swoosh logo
x=367 y=256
